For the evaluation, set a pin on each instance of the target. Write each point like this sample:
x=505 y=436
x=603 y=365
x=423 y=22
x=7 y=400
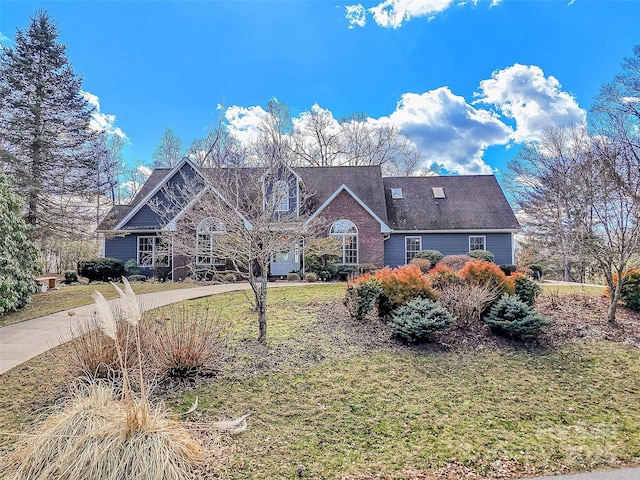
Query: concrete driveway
x=22 y=341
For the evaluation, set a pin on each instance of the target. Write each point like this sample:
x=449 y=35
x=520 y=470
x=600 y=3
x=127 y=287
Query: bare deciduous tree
x=233 y=217
x=169 y=150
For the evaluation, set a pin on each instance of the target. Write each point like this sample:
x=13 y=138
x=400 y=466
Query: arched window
x=347 y=232
x=206 y=242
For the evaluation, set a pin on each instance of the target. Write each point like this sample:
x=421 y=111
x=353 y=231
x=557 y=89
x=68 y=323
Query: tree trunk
x=261 y=306
x=614 y=299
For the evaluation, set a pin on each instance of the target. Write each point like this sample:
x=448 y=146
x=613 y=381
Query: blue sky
x=469 y=81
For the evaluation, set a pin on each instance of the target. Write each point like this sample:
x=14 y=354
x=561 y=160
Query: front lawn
x=330 y=397
x=66 y=297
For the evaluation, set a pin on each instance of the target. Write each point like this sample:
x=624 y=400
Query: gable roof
x=364 y=183
x=471 y=202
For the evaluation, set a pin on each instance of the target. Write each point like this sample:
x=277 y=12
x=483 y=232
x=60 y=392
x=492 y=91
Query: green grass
x=68 y=297
x=573 y=409
x=322 y=398
x=572 y=289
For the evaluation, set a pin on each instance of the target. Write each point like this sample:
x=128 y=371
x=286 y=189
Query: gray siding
x=123 y=248
x=500 y=244
x=146 y=218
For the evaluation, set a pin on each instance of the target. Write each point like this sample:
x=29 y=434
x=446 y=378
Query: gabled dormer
x=281 y=192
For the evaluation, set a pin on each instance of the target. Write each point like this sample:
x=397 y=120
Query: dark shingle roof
x=472 y=202
x=364 y=181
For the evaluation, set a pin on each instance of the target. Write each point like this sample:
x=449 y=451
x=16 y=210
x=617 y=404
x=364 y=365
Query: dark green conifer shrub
x=526 y=289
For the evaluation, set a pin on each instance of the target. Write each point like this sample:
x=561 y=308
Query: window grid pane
x=347 y=232
x=145 y=251
x=413 y=246
x=476 y=243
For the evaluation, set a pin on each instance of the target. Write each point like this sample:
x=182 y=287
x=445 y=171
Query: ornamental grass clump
x=108 y=431
x=511 y=317
x=186 y=342
x=419 y=320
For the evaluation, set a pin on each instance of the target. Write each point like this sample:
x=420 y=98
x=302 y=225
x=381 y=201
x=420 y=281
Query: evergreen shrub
x=526 y=289
x=70 y=276
x=485 y=255
x=311 y=277
x=101 y=269
x=293 y=277
x=419 y=320
x=434 y=256
x=229 y=277
x=508 y=268
x=362 y=296
x=511 y=317
x=630 y=293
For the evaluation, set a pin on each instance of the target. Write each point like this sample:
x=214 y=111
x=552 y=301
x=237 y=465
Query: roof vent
x=438 y=192
x=396 y=193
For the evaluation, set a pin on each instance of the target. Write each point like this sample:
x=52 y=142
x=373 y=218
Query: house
x=379 y=220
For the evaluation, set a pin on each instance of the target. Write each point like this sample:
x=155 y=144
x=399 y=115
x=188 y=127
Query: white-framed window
x=477 y=242
x=206 y=234
x=412 y=245
x=152 y=250
x=347 y=232
x=281 y=196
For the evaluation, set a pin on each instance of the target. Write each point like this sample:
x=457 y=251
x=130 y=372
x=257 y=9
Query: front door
x=286 y=262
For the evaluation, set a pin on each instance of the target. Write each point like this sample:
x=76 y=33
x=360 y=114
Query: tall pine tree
x=46 y=144
x=18 y=254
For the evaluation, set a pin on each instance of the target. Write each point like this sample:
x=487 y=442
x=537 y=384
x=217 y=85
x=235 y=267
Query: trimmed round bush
x=434 y=256
x=102 y=269
x=485 y=255
x=526 y=289
x=537 y=271
x=511 y=317
x=311 y=277
x=424 y=264
x=229 y=278
x=419 y=320
x=70 y=276
x=442 y=276
x=454 y=262
x=508 y=268
x=293 y=277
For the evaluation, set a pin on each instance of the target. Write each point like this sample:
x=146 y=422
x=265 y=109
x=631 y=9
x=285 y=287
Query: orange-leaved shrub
x=479 y=272
x=442 y=276
x=401 y=285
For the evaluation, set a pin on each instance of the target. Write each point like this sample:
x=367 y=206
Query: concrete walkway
x=620 y=474
x=22 y=341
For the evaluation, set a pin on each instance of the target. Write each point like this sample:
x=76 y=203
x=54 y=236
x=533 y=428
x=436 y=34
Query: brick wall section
x=370 y=240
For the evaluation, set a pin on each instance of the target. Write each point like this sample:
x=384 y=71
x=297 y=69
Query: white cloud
x=534 y=101
x=4 y=40
x=394 y=13
x=244 y=122
x=101 y=121
x=448 y=130
x=357 y=15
